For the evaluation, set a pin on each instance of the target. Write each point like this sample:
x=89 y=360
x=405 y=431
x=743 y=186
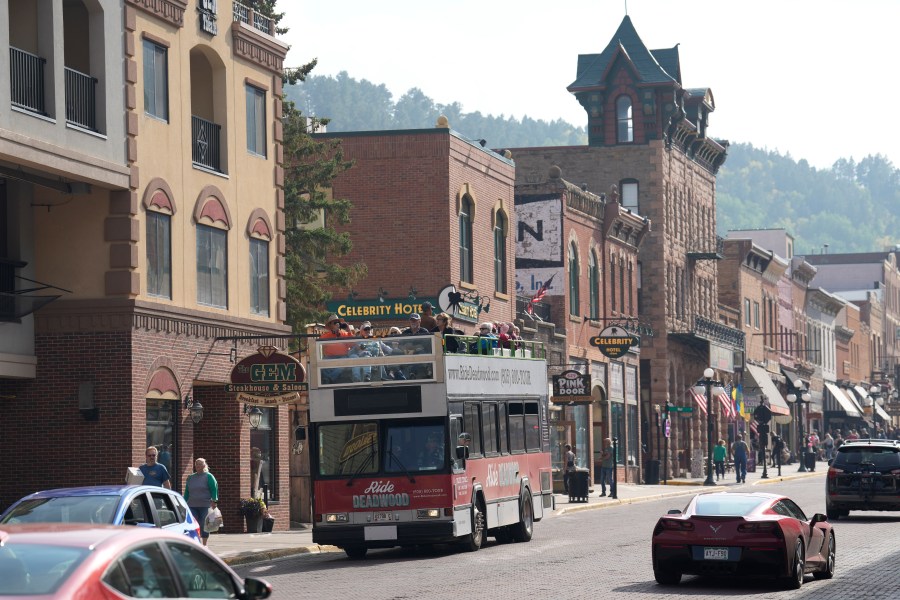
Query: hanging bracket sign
x=614 y=341
x=268 y=377
x=571 y=386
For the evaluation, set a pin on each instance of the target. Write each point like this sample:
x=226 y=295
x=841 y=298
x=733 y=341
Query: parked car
x=743 y=534
x=103 y=562
x=141 y=505
x=863 y=475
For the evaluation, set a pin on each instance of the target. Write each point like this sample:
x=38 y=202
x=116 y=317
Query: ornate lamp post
x=706 y=386
x=803 y=397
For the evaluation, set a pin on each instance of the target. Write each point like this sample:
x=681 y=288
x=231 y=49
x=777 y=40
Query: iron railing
x=206 y=149
x=247 y=15
x=26 y=75
x=81 y=99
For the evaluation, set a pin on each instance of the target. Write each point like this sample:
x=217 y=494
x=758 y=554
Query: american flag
x=753 y=427
x=700 y=399
x=539 y=295
x=727 y=405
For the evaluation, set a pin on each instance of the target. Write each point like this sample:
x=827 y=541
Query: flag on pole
x=727 y=406
x=737 y=394
x=753 y=427
x=699 y=399
x=539 y=295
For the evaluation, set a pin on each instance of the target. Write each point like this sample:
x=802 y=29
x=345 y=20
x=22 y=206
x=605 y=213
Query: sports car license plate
x=382 y=516
x=715 y=554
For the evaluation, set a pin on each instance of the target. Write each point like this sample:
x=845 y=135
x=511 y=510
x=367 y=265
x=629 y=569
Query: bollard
x=615 y=479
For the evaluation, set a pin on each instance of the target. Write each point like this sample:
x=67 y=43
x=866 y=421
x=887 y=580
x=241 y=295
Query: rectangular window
x=212 y=266
x=263 y=457
x=630 y=196
x=516 y=427
x=489 y=428
x=617 y=428
x=472 y=426
x=256 y=121
x=501 y=423
x=612 y=284
x=756 y=314
x=632 y=452
x=159 y=255
x=156 y=80
x=259 y=277
x=532 y=426
x=747 y=315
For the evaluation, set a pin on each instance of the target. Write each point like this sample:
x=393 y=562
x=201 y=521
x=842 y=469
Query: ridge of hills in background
x=851 y=207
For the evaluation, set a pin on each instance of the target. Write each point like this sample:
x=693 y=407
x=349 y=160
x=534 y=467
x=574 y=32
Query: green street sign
x=680 y=409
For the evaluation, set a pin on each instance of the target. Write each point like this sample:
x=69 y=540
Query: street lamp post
x=707 y=384
x=803 y=397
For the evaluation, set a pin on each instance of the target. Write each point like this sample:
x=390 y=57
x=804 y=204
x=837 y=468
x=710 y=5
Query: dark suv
x=864 y=475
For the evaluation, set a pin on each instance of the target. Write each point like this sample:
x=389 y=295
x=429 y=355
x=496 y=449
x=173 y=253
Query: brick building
x=647 y=134
x=431 y=209
x=144 y=184
x=586 y=246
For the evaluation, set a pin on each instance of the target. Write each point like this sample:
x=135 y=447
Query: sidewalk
x=244 y=548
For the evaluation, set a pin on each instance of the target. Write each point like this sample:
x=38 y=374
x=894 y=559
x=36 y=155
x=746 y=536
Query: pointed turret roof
x=657 y=66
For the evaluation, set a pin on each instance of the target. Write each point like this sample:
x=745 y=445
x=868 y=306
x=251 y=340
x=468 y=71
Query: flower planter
x=254 y=523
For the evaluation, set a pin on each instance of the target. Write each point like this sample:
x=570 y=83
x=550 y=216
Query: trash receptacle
x=810 y=460
x=652 y=475
x=578 y=486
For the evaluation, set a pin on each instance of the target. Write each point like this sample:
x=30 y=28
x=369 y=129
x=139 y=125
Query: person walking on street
x=720 y=452
x=201 y=490
x=739 y=451
x=828 y=445
x=155 y=473
x=607 y=463
x=569 y=473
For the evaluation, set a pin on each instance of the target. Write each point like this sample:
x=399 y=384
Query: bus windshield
x=416 y=446
x=349 y=449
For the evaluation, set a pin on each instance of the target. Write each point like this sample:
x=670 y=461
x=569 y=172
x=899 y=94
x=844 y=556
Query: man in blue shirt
x=155 y=473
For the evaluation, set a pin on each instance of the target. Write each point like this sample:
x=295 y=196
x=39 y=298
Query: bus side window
x=532 y=427
x=501 y=423
x=489 y=427
x=472 y=426
x=516 y=427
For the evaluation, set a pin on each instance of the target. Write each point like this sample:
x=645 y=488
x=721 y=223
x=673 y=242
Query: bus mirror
x=462 y=452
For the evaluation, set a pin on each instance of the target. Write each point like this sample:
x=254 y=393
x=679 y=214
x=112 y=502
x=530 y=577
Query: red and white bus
x=413 y=445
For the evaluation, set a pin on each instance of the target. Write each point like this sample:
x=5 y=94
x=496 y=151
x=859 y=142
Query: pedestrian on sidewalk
x=155 y=473
x=719 y=454
x=201 y=490
x=739 y=451
x=606 y=466
x=569 y=472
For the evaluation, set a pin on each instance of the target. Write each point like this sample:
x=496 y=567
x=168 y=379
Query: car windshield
x=716 y=505
x=33 y=569
x=68 y=509
x=880 y=457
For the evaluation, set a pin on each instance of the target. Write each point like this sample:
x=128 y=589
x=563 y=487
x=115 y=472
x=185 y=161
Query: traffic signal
x=762 y=414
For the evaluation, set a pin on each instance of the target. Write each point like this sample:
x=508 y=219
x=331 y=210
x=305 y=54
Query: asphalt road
x=593 y=554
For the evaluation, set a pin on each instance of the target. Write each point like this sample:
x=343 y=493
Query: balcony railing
x=206 y=143
x=26 y=77
x=247 y=15
x=81 y=99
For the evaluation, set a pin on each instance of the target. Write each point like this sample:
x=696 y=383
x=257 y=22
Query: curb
x=246 y=558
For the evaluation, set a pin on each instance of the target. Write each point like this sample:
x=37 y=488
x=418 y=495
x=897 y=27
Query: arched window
x=574 y=301
x=594 y=285
x=624 y=121
x=500 y=253
x=465 y=240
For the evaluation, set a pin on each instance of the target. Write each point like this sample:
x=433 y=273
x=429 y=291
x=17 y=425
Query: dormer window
x=624 y=121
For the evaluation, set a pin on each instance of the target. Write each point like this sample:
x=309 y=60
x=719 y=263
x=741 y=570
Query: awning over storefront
x=882 y=414
x=815 y=404
x=846 y=404
x=760 y=378
x=794 y=379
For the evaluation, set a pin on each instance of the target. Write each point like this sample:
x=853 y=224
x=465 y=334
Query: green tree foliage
x=353 y=105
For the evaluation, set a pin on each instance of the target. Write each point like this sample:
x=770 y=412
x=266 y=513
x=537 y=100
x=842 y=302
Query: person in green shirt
x=719 y=454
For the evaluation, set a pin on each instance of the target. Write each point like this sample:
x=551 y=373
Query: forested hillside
x=852 y=207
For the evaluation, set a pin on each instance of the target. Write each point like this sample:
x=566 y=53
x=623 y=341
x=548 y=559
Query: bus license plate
x=715 y=554
x=382 y=516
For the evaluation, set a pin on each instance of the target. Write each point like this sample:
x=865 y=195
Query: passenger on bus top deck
x=334 y=328
x=415 y=326
x=429 y=321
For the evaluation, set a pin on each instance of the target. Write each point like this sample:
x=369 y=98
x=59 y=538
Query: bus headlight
x=337 y=518
x=428 y=513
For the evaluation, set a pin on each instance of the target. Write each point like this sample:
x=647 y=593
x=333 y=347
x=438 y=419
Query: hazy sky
x=817 y=79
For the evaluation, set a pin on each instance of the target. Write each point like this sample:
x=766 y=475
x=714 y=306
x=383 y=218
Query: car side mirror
x=818 y=518
x=830 y=460
x=257 y=588
x=674 y=511
x=462 y=452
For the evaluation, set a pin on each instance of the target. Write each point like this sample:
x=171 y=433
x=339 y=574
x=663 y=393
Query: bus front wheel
x=474 y=540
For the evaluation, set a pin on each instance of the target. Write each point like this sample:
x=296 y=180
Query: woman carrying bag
x=201 y=490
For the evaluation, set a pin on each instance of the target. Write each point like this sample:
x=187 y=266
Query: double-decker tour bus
x=416 y=445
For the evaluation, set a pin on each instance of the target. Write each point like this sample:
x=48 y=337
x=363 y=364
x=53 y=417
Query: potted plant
x=252 y=509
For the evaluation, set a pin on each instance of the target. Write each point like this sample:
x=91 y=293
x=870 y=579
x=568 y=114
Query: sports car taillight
x=758 y=527
x=677 y=525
